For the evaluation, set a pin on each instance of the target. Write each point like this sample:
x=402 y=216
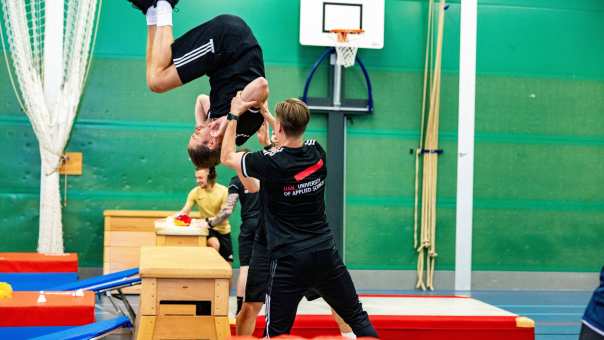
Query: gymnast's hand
x=239 y=106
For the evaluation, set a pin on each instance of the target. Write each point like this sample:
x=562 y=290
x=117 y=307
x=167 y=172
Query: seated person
x=214 y=206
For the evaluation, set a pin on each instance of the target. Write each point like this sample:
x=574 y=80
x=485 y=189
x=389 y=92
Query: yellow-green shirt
x=210 y=201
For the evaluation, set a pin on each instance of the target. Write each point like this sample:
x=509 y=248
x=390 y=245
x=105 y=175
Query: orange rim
x=343 y=33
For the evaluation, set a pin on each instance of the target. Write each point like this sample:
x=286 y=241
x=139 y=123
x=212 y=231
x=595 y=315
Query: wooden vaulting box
x=172 y=236
x=184 y=295
x=126 y=231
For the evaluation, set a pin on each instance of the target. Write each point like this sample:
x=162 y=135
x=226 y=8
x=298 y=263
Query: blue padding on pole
x=101 y=282
x=37 y=281
x=22 y=333
x=328 y=51
x=88 y=331
x=368 y=82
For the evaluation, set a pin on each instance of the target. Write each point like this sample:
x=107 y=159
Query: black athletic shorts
x=258 y=276
x=226 y=247
x=292 y=276
x=247 y=234
x=225 y=50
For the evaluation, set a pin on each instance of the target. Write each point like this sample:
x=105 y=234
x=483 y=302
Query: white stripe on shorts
x=195 y=54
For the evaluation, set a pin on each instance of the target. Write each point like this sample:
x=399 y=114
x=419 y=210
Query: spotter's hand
x=239 y=106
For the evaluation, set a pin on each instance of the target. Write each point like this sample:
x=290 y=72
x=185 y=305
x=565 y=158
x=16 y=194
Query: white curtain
x=24 y=28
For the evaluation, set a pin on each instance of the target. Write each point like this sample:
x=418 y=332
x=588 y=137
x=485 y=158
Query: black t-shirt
x=292 y=194
x=250 y=201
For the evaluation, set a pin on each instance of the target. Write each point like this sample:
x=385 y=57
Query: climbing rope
x=428 y=151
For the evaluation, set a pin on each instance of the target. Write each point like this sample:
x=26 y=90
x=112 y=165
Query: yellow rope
x=422 y=120
x=427 y=249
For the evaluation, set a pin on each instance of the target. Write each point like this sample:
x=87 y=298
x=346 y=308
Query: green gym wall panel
x=539 y=145
x=584 y=5
x=536 y=239
x=397 y=175
x=391 y=221
x=19 y=219
x=553 y=38
x=400 y=95
x=540 y=172
x=20 y=161
x=565 y=109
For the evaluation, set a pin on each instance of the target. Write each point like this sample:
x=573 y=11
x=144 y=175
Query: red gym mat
x=60 y=309
x=418 y=317
x=38 y=263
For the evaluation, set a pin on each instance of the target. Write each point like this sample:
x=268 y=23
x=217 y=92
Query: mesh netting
x=51 y=106
x=346 y=55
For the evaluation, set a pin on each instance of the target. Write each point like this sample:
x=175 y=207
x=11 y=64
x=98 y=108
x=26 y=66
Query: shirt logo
x=302 y=188
x=309 y=171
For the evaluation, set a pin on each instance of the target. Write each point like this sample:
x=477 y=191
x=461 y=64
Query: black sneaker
x=143 y=5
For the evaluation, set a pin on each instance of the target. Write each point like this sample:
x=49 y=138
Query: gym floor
x=557 y=314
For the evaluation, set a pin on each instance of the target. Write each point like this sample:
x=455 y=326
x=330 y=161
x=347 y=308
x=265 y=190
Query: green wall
x=539 y=143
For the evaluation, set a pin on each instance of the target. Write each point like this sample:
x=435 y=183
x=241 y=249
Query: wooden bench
x=185 y=294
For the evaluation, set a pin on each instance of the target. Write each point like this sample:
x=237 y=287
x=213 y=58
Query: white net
x=47 y=48
x=346 y=49
x=346 y=55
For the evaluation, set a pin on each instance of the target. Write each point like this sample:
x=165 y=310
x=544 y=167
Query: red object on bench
x=38 y=263
x=60 y=309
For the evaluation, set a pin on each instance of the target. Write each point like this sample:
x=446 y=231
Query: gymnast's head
x=292 y=118
x=203 y=148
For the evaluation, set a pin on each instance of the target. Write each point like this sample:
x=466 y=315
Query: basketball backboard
x=318 y=17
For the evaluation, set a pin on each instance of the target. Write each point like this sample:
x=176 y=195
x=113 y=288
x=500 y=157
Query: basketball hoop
x=345 y=49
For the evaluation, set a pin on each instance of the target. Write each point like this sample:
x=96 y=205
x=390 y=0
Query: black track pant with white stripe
x=292 y=276
x=589 y=334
